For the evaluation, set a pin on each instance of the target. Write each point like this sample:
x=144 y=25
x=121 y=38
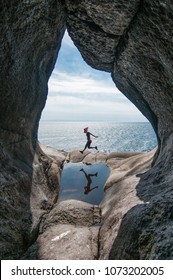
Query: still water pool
x=83 y=182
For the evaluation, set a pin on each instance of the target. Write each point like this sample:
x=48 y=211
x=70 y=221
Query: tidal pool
x=83 y=182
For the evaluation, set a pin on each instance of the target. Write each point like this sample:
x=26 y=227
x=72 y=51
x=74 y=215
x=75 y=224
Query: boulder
x=69 y=231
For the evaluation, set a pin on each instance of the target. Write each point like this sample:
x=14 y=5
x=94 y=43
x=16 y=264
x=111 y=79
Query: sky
x=77 y=92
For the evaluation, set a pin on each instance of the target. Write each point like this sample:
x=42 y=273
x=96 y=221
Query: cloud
x=77 y=108
x=80 y=85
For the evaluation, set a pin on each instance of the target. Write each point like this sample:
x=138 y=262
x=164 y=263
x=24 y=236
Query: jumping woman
x=89 y=141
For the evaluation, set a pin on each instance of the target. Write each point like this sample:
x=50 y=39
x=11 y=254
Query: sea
x=112 y=136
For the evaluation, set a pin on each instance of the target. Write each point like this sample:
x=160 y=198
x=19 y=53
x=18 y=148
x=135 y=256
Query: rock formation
x=31 y=33
x=73 y=225
x=133 y=41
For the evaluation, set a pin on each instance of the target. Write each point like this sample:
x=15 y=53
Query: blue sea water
x=112 y=136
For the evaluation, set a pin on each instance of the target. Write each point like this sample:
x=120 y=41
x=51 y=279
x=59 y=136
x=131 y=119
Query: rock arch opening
x=79 y=96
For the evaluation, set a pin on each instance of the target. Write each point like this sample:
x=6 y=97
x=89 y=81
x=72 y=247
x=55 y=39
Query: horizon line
x=54 y=120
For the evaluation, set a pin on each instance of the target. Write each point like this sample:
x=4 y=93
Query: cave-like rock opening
x=131 y=40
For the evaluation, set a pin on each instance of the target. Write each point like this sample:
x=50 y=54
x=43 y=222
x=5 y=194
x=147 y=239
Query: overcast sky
x=79 y=92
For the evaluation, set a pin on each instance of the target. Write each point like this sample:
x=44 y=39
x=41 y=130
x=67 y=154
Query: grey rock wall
x=31 y=33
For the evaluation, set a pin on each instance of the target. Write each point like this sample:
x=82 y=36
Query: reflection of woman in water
x=89 y=181
x=89 y=141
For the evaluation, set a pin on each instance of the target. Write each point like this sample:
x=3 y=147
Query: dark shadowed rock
x=31 y=33
x=145 y=233
x=97 y=26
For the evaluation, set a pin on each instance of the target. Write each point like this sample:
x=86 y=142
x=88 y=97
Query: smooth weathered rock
x=145 y=233
x=65 y=242
x=72 y=212
x=120 y=194
x=59 y=156
x=69 y=231
x=87 y=157
x=126 y=167
x=76 y=156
